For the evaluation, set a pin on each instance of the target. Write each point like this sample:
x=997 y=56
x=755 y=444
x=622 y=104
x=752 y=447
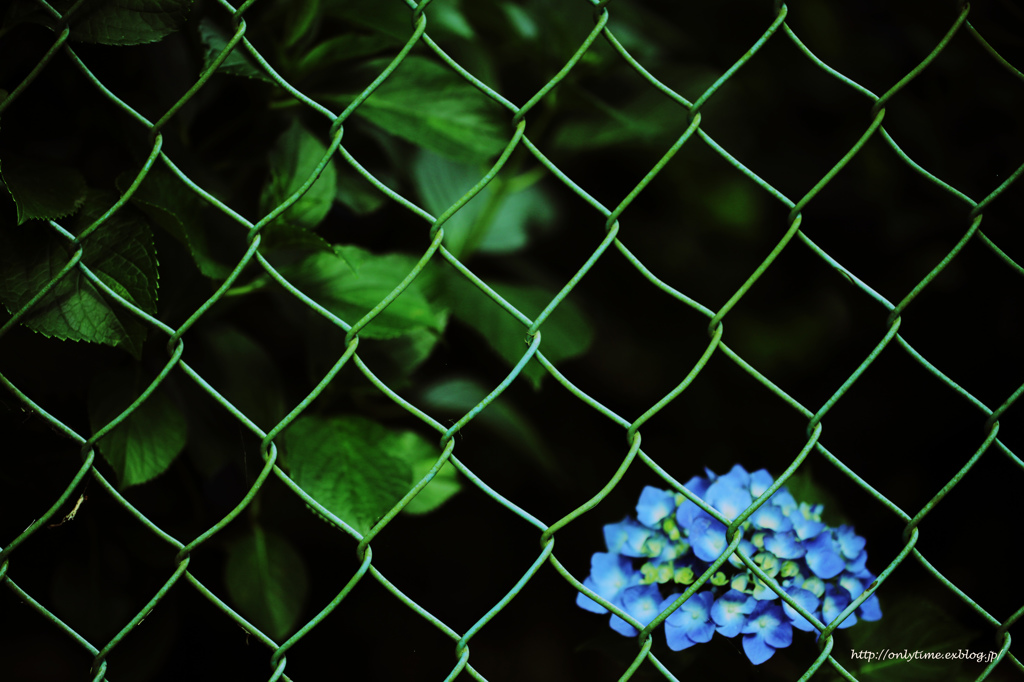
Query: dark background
x=701 y=227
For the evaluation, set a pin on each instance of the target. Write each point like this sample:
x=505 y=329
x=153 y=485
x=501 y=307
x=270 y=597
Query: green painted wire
x=36 y=70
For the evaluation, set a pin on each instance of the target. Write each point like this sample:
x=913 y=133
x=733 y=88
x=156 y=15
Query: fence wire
x=790 y=236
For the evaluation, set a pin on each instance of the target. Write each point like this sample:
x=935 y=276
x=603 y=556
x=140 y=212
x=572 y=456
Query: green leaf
x=496 y=220
x=649 y=118
x=279 y=236
x=42 y=190
x=237 y=63
x=390 y=19
x=736 y=206
x=300 y=20
x=350 y=281
x=803 y=488
x=244 y=373
x=267 y=581
x=519 y=18
x=421 y=455
x=357 y=194
x=167 y=202
x=448 y=18
x=393 y=360
x=909 y=625
x=145 y=444
x=356 y=468
x=339 y=49
x=412 y=349
x=458 y=396
x=440 y=183
x=293 y=159
x=434 y=107
x=564 y=335
x=120 y=253
x=26 y=11
x=521 y=213
x=127 y=22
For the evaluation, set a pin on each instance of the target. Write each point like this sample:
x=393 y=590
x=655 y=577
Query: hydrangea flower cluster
x=656 y=556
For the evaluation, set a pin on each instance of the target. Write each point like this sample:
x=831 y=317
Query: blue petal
x=833 y=604
x=760 y=481
x=622 y=627
x=762 y=592
x=626 y=537
x=686 y=513
x=870 y=609
x=737 y=477
x=699 y=485
x=728 y=497
x=691 y=621
x=852 y=586
x=808 y=601
x=702 y=633
x=748 y=548
x=730 y=612
x=585 y=602
x=642 y=602
x=770 y=517
x=612 y=573
x=757 y=649
x=693 y=612
x=639 y=601
x=856 y=566
x=768 y=621
x=781 y=636
x=805 y=528
x=784 y=501
x=822 y=557
x=707 y=538
x=784 y=545
x=687 y=510
x=850 y=543
x=654 y=505
x=660 y=548
x=677 y=639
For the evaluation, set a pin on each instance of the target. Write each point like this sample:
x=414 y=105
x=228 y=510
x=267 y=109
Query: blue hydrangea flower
x=691 y=623
x=823 y=555
x=707 y=538
x=785 y=545
x=654 y=506
x=870 y=609
x=832 y=604
x=730 y=494
x=627 y=537
x=766 y=630
x=731 y=610
x=609 y=575
x=687 y=510
x=807 y=600
x=771 y=517
x=672 y=541
x=643 y=602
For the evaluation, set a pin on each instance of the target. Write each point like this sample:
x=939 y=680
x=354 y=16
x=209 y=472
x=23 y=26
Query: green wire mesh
x=776 y=30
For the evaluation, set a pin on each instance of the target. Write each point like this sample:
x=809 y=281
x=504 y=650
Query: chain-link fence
x=857 y=230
